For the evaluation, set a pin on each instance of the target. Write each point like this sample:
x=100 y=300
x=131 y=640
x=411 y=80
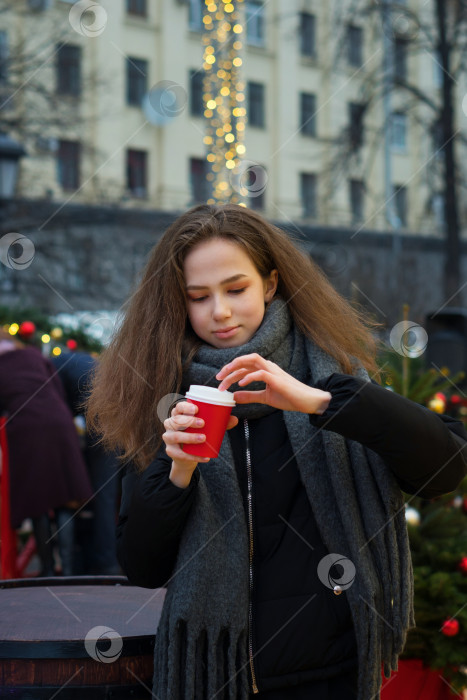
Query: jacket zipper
x=250 y=530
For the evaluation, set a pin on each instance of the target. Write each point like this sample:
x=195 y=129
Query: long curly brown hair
x=145 y=359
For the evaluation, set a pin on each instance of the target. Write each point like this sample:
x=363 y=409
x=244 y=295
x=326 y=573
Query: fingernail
x=200 y=438
x=199 y=422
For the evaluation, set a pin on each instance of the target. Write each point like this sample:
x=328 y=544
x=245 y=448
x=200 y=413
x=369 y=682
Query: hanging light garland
x=224 y=97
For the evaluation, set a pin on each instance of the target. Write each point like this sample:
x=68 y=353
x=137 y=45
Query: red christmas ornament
x=439 y=395
x=464 y=506
x=462 y=566
x=455 y=399
x=450 y=628
x=26 y=329
x=71 y=344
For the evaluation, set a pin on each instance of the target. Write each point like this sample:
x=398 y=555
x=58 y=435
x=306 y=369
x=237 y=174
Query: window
x=195 y=15
x=256 y=105
x=200 y=188
x=400 y=59
x=196 y=93
x=399 y=132
x=354 y=45
x=136 y=173
x=69 y=70
x=400 y=204
x=136 y=79
x=308 y=114
x=356 y=111
x=357 y=197
x=307 y=34
x=3 y=57
x=137 y=7
x=438 y=76
x=254 y=18
x=308 y=193
x=68 y=162
x=437 y=135
x=255 y=180
x=437 y=207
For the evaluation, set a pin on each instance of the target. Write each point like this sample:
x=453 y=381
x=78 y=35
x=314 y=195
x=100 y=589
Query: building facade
x=330 y=143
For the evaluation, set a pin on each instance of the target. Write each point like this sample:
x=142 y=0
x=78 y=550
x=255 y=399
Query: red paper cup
x=214 y=407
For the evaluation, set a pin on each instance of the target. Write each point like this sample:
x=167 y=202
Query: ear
x=270 y=285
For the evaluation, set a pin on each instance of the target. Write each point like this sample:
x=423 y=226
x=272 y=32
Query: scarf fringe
x=208 y=665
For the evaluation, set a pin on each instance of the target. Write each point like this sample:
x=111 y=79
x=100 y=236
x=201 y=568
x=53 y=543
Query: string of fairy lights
x=224 y=97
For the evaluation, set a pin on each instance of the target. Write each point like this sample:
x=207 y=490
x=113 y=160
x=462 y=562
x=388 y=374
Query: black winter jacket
x=302 y=632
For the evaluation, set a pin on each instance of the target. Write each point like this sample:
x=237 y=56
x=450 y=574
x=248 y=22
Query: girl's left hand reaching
x=282 y=390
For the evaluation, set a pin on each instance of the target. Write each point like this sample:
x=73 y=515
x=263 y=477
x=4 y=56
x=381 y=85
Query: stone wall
x=89 y=258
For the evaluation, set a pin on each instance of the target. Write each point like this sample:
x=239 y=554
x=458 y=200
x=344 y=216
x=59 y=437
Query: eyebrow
x=234 y=278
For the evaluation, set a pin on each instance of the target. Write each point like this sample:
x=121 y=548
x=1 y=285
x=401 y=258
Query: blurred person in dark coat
x=47 y=469
x=99 y=556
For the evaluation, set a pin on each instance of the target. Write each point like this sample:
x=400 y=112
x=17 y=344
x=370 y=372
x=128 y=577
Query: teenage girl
x=286 y=558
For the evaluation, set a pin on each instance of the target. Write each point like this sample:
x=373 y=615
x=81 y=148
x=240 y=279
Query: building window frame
x=69 y=164
x=399 y=124
x=437 y=139
x=256 y=104
x=255 y=23
x=137 y=173
x=438 y=76
x=68 y=70
x=355 y=38
x=195 y=15
x=307 y=31
x=196 y=80
x=309 y=195
x=400 y=59
x=4 y=56
x=438 y=209
x=137 y=8
x=256 y=201
x=200 y=188
x=400 y=199
x=356 y=111
x=308 y=126
x=357 y=199
x=136 y=80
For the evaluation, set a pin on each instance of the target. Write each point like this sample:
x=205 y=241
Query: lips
x=226 y=332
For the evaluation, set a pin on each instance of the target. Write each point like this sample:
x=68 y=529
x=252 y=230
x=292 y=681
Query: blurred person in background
x=98 y=553
x=47 y=469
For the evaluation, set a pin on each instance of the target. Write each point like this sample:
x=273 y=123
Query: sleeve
x=427 y=452
x=153 y=513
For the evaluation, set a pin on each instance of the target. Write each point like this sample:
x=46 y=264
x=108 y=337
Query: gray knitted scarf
x=201 y=642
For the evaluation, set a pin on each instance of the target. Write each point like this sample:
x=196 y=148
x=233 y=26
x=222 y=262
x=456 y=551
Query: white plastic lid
x=208 y=394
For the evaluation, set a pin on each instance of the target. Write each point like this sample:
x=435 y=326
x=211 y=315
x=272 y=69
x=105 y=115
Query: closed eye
x=231 y=291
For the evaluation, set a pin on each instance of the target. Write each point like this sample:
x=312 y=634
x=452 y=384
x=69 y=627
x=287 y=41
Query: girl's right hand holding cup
x=183 y=416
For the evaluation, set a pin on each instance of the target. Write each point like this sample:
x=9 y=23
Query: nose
x=221 y=308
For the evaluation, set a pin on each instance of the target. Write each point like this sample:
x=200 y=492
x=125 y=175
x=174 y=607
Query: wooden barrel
x=77 y=638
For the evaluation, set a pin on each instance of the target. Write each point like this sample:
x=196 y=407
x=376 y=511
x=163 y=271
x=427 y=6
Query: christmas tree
x=437 y=533
x=35 y=328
